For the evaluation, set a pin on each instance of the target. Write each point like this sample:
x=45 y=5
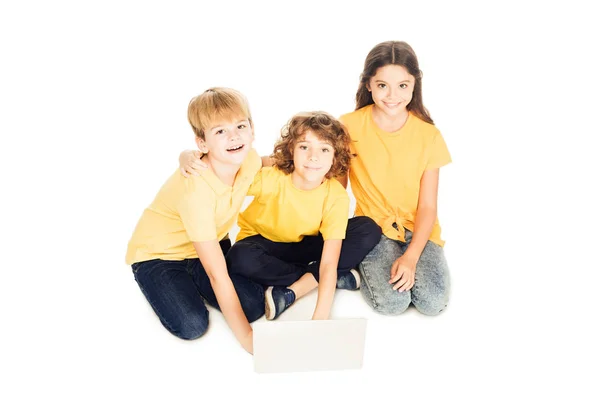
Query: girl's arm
x=327 y=277
x=211 y=257
x=402 y=274
x=426 y=213
x=190 y=163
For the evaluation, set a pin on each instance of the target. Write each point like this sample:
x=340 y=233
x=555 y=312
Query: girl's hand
x=403 y=273
x=191 y=164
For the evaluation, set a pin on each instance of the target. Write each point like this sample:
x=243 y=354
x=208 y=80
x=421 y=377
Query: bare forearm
x=267 y=161
x=212 y=258
x=327 y=283
x=424 y=222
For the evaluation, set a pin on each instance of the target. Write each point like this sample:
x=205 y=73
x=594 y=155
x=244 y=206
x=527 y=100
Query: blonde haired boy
x=177 y=251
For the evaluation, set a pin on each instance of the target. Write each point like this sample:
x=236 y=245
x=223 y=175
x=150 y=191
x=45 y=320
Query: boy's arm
x=327 y=277
x=267 y=161
x=190 y=162
x=213 y=261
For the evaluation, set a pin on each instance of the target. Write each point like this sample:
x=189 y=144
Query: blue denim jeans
x=430 y=292
x=176 y=290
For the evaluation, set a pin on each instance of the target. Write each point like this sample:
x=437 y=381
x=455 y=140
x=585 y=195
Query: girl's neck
x=300 y=183
x=388 y=123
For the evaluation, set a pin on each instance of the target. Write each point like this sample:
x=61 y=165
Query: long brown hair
x=393 y=53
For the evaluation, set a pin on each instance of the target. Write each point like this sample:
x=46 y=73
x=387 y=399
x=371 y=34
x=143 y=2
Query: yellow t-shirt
x=281 y=212
x=386 y=174
x=186 y=210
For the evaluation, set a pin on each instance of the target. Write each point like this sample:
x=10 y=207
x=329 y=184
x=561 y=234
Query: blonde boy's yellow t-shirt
x=386 y=174
x=281 y=212
x=186 y=210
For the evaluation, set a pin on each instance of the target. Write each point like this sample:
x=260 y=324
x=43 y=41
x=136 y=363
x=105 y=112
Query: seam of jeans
x=366 y=283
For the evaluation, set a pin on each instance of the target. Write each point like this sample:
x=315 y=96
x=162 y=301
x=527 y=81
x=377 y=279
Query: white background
x=93 y=100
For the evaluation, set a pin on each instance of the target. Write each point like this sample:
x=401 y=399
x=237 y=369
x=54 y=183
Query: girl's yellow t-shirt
x=385 y=175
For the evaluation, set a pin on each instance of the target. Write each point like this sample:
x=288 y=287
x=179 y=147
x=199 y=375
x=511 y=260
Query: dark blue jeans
x=176 y=290
x=275 y=263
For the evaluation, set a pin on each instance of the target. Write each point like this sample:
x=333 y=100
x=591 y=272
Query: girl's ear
x=201 y=145
x=368 y=86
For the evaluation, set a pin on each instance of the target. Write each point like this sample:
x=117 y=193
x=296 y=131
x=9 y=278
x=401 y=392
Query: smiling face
x=392 y=88
x=227 y=142
x=313 y=158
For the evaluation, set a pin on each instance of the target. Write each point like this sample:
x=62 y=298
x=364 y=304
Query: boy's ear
x=201 y=145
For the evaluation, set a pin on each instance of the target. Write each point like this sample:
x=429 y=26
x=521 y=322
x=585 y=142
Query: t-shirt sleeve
x=438 y=154
x=343 y=119
x=335 y=215
x=266 y=183
x=256 y=185
x=197 y=212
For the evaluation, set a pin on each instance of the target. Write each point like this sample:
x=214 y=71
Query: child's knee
x=389 y=302
x=193 y=327
x=432 y=303
x=240 y=257
x=394 y=304
x=370 y=232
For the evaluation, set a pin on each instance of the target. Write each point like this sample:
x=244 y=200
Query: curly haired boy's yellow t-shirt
x=385 y=176
x=281 y=212
x=186 y=210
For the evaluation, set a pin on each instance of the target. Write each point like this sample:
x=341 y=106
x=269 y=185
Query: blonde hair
x=215 y=105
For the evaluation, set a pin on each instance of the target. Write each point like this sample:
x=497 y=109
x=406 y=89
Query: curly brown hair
x=326 y=128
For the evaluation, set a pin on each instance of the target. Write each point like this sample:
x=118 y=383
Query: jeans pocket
x=135 y=267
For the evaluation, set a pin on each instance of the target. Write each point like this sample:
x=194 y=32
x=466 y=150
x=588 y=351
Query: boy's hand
x=191 y=164
x=248 y=342
x=403 y=273
x=319 y=316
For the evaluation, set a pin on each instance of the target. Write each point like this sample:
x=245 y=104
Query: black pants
x=281 y=264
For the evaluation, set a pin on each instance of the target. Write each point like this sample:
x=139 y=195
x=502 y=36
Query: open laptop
x=294 y=346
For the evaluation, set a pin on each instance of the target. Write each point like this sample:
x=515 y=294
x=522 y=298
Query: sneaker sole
x=357 y=277
x=269 y=304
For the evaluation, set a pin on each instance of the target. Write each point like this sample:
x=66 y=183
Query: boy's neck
x=225 y=172
x=300 y=183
